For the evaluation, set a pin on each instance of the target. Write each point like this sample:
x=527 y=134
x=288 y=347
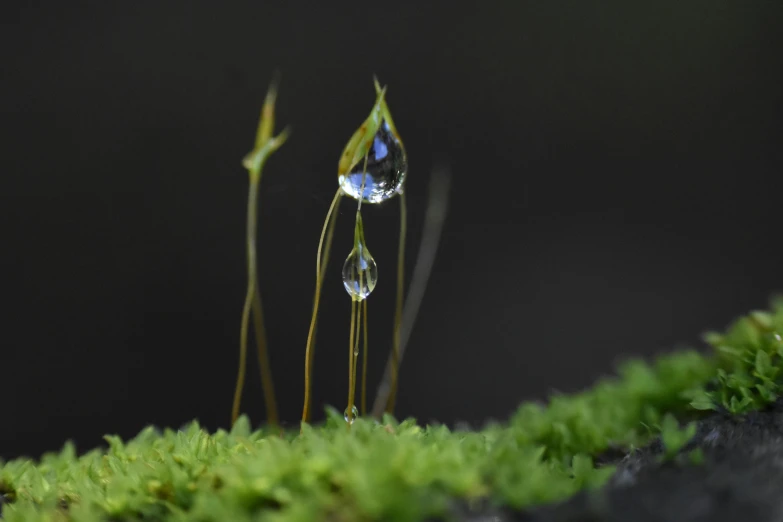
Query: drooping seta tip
x=377 y=142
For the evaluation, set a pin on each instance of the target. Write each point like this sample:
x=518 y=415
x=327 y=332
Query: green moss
x=401 y=471
x=674 y=437
x=750 y=369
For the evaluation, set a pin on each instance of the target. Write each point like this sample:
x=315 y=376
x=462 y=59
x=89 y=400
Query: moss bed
x=547 y=462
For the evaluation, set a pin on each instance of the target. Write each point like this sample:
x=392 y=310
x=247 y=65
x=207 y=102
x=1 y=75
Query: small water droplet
x=387 y=165
x=360 y=273
x=352 y=415
x=777 y=337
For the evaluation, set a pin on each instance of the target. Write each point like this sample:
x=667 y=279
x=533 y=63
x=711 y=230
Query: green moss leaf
x=241 y=427
x=763 y=363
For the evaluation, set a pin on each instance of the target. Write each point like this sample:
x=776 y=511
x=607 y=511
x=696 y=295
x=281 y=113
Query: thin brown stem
x=351 y=359
x=252 y=201
x=395 y=365
x=329 y=238
x=364 y=360
x=352 y=384
x=316 y=301
x=242 y=357
x=263 y=358
x=254 y=161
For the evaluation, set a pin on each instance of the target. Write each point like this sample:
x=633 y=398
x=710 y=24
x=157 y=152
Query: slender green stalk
x=352 y=401
x=395 y=364
x=252 y=200
x=325 y=264
x=329 y=224
x=253 y=304
x=364 y=360
x=351 y=361
x=358 y=243
x=265 y=366
x=254 y=162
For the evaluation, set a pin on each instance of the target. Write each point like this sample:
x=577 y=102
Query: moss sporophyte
x=379 y=468
x=254 y=162
x=371 y=169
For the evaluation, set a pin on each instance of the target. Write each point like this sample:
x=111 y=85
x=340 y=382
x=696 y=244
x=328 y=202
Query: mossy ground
x=402 y=471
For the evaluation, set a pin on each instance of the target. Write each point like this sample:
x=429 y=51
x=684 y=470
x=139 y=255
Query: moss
x=748 y=356
x=402 y=471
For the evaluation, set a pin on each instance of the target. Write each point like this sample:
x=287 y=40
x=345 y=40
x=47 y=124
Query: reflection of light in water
x=386 y=169
x=380 y=149
x=360 y=273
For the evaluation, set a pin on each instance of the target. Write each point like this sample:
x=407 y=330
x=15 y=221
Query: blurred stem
x=252 y=202
x=254 y=162
x=433 y=227
x=253 y=303
x=395 y=362
x=264 y=364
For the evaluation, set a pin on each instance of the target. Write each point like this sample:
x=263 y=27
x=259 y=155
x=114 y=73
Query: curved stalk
x=319 y=277
x=395 y=362
x=254 y=161
x=252 y=200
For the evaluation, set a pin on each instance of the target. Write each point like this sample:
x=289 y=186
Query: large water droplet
x=386 y=169
x=360 y=273
x=351 y=416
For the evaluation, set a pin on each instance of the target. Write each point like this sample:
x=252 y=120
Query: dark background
x=614 y=171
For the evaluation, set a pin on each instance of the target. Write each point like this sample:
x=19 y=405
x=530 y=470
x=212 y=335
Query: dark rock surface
x=740 y=480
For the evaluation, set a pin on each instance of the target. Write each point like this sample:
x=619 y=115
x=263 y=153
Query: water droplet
x=387 y=165
x=360 y=273
x=777 y=337
x=352 y=415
